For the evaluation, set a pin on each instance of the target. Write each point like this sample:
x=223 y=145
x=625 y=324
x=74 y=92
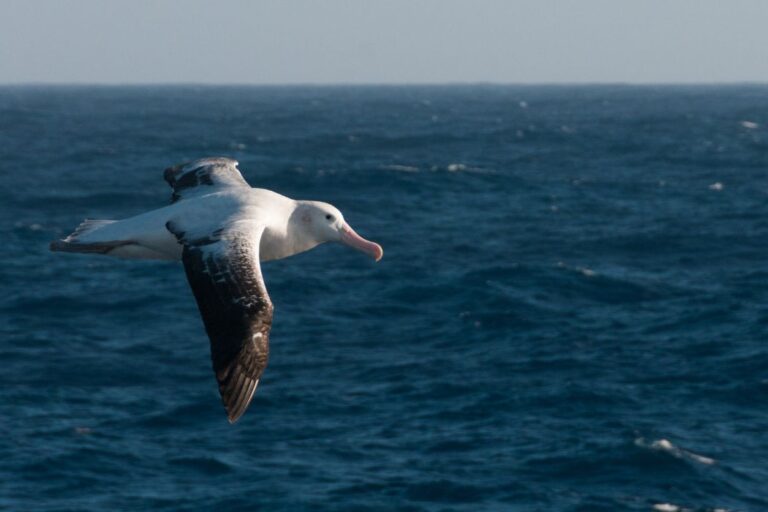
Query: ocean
x=570 y=315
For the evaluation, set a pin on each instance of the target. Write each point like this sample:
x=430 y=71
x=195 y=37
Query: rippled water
x=571 y=313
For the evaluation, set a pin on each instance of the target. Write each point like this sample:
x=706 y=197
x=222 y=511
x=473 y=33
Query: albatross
x=221 y=229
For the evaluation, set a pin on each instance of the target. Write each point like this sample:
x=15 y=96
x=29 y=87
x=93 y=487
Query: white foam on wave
x=32 y=227
x=456 y=167
x=671 y=507
x=585 y=271
x=460 y=167
x=716 y=186
x=666 y=507
x=664 y=445
x=400 y=168
x=750 y=125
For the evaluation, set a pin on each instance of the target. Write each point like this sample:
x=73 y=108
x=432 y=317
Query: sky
x=384 y=41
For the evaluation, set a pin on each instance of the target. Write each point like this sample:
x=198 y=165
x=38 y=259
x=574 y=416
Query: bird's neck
x=289 y=237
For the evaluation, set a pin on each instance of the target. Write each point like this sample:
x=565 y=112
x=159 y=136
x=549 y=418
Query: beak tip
x=349 y=237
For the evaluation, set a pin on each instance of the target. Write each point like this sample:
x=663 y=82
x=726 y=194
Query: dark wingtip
x=234 y=414
x=56 y=245
x=171 y=172
x=237 y=396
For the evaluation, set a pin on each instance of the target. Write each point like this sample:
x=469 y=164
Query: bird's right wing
x=200 y=176
x=225 y=276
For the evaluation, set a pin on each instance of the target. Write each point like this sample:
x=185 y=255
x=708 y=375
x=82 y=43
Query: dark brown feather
x=225 y=277
x=188 y=177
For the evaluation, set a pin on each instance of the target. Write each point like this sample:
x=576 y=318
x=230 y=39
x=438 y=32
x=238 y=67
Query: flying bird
x=221 y=229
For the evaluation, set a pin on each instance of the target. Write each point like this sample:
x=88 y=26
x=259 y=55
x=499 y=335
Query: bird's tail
x=78 y=240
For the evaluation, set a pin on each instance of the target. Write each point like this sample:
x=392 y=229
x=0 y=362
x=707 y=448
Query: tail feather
x=87 y=226
x=90 y=247
x=72 y=243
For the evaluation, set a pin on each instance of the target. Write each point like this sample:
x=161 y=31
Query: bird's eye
x=329 y=217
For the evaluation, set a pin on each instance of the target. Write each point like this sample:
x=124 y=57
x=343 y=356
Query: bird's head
x=325 y=223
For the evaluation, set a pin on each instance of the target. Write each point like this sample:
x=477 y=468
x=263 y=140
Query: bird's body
x=150 y=239
x=221 y=229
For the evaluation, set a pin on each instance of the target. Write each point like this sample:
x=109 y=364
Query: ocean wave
x=665 y=446
x=453 y=168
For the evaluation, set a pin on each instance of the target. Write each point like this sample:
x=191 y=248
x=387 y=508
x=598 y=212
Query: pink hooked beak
x=352 y=239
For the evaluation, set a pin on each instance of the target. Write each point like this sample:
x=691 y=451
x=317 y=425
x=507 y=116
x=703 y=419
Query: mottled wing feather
x=199 y=176
x=225 y=277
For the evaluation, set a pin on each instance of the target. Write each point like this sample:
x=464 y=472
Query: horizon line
x=389 y=84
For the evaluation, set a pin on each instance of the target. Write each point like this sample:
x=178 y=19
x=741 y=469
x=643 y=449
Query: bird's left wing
x=225 y=276
x=203 y=177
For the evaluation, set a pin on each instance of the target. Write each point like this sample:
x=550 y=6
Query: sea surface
x=571 y=313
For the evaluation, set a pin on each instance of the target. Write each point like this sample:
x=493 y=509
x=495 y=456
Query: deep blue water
x=571 y=313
